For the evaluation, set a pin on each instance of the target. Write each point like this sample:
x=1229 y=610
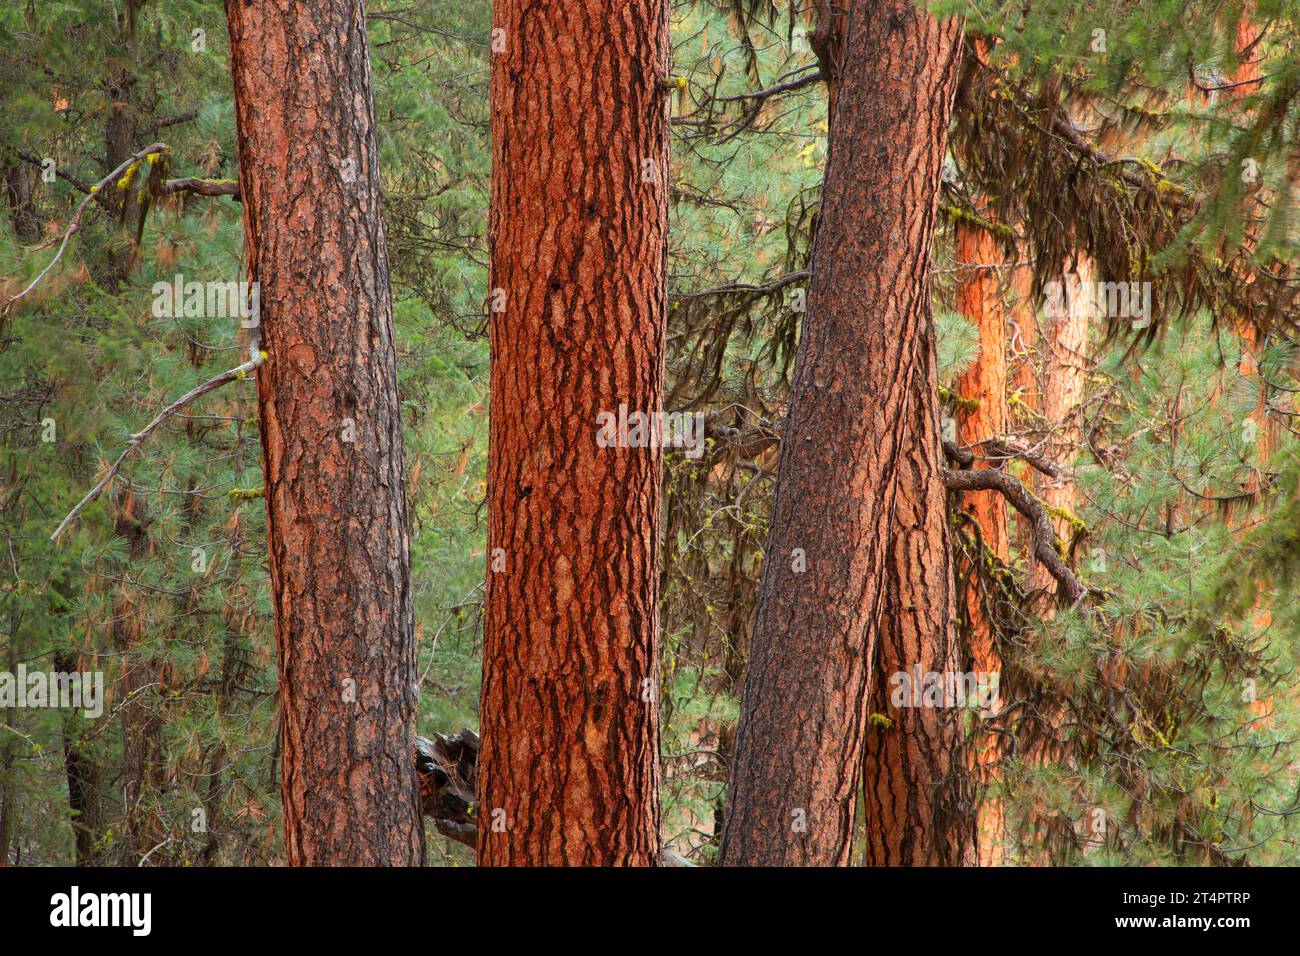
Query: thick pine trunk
x=331 y=438
x=861 y=383
x=569 y=767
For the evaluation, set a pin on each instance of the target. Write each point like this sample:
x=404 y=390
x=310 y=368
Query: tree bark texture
x=915 y=806
x=569 y=766
x=982 y=298
x=1063 y=374
x=331 y=436
x=861 y=387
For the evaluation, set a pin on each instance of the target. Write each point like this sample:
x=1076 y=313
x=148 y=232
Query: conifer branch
x=1070 y=589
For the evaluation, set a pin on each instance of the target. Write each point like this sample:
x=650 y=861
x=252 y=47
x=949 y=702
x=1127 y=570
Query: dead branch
x=230 y=375
x=203 y=187
x=1070 y=590
x=81 y=208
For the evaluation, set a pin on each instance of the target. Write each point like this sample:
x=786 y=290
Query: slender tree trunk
x=982 y=297
x=8 y=783
x=1265 y=428
x=862 y=382
x=122 y=88
x=983 y=387
x=569 y=767
x=1063 y=373
x=17 y=186
x=331 y=437
x=140 y=722
x=83 y=782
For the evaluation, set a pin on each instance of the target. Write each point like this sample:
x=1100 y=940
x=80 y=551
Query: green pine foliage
x=1152 y=726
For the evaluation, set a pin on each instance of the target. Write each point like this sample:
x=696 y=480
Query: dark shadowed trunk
x=862 y=384
x=331 y=438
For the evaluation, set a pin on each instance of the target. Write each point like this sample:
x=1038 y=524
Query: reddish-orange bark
x=569 y=767
x=862 y=421
x=982 y=299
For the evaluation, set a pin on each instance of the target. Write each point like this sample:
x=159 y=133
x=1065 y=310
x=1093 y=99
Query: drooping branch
x=1016 y=141
x=230 y=375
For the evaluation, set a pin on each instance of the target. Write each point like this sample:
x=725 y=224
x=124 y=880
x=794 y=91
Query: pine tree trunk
x=981 y=297
x=982 y=414
x=915 y=801
x=569 y=767
x=1064 y=372
x=16 y=181
x=331 y=438
x=83 y=778
x=861 y=382
x=916 y=789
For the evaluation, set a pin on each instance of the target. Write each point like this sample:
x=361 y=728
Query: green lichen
x=1073 y=520
x=959 y=215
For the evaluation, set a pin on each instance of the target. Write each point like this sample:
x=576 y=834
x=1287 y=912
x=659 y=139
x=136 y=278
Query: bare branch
x=1069 y=589
x=203 y=187
x=76 y=182
x=796 y=84
x=230 y=375
x=169 y=121
x=790 y=278
x=81 y=208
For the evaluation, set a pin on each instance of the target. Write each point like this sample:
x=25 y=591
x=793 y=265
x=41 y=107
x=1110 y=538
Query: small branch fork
x=1071 y=591
x=73 y=226
x=230 y=375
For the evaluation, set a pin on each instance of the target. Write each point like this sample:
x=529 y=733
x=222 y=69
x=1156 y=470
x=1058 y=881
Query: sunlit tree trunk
x=1068 y=312
x=569 y=767
x=981 y=415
